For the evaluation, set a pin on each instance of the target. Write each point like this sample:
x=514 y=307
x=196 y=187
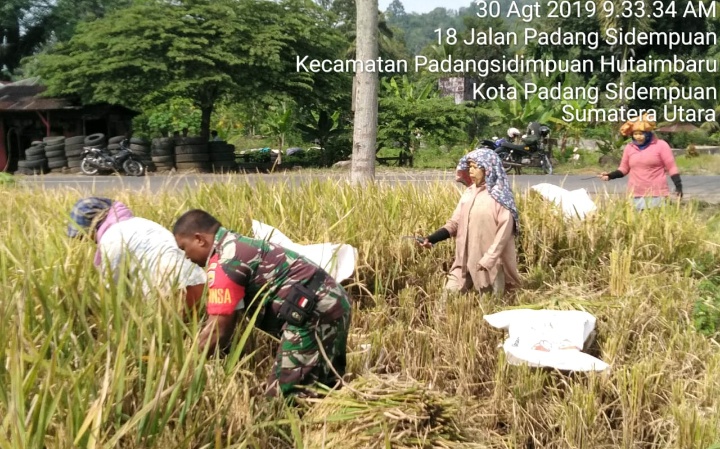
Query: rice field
x=89 y=365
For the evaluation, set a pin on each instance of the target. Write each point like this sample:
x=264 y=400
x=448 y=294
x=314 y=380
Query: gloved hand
x=607 y=176
x=678 y=185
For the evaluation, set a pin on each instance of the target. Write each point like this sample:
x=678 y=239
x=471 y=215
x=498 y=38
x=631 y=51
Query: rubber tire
x=192 y=166
x=162 y=153
x=74 y=163
x=87 y=170
x=139 y=141
x=502 y=154
x=58 y=163
x=163 y=159
x=95 y=140
x=75 y=140
x=73 y=153
x=38 y=164
x=54 y=140
x=132 y=162
x=116 y=139
x=547 y=165
x=192 y=157
x=162 y=143
x=55 y=147
x=135 y=148
x=55 y=154
x=36 y=157
x=35 y=151
x=191 y=149
x=190 y=141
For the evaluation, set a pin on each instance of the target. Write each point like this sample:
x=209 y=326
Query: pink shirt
x=647 y=168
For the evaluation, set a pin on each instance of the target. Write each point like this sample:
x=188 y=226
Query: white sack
x=574 y=203
x=550 y=338
x=337 y=259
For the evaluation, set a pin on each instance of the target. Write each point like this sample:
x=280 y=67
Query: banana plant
x=280 y=122
x=521 y=111
x=321 y=127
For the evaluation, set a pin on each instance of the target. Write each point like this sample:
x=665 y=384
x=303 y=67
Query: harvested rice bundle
x=377 y=412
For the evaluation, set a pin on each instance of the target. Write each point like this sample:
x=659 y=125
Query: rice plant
x=88 y=363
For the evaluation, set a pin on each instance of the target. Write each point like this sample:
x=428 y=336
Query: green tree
x=198 y=49
x=26 y=26
x=409 y=113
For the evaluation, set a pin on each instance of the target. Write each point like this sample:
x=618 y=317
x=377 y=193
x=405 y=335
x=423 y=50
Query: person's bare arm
x=193 y=293
x=217 y=332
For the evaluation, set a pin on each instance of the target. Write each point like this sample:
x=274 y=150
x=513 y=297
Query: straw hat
x=639 y=124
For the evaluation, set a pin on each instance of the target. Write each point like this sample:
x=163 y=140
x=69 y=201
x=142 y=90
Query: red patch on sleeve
x=224 y=295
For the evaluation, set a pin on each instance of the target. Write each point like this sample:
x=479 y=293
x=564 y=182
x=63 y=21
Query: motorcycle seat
x=512 y=146
x=488 y=144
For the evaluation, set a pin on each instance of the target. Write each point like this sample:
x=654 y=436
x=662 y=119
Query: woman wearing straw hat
x=646 y=159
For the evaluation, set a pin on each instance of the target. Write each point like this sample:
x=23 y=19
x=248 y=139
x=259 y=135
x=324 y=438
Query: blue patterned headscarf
x=496 y=180
x=86 y=213
x=646 y=142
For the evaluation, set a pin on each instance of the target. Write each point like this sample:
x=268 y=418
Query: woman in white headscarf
x=484 y=224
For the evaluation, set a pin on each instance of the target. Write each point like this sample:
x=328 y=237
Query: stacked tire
x=222 y=157
x=73 y=151
x=114 y=144
x=55 y=153
x=191 y=153
x=35 y=160
x=162 y=152
x=141 y=148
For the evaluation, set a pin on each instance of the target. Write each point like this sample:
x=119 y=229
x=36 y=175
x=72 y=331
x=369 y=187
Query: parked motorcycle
x=533 y=152
x=95 y=160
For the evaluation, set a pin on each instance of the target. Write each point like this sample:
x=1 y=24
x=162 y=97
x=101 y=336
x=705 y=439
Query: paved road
x=700 y=187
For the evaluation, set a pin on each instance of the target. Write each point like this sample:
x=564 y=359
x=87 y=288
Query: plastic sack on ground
x=547 y=338
x=337 y=259
x=574 y=203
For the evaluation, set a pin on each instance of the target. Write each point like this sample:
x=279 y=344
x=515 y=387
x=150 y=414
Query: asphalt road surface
x=705 y=188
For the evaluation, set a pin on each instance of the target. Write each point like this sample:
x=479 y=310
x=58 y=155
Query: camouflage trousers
x=299 y=360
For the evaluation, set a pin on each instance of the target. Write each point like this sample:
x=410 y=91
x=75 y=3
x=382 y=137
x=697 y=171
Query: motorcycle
x=95 y=160
x=533 y=152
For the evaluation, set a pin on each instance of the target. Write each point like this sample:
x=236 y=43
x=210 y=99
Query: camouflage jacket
x=245 y=273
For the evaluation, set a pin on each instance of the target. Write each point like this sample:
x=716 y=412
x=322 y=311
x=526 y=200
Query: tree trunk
x=206 y=112
x=366 y=105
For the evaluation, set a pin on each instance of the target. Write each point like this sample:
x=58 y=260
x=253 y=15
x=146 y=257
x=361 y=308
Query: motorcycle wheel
x=502 y=155
x=88 y=169
x=133 y=167
x=546 y=165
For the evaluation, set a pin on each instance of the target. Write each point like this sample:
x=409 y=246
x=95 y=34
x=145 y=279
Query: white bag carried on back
x=337 y=259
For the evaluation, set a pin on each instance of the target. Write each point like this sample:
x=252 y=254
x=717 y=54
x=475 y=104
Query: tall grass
x=86 y=363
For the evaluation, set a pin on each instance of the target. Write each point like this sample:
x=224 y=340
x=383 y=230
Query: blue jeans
x=648 y=202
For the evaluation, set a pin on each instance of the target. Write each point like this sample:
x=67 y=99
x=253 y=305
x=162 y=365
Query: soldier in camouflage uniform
x=299 y=302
